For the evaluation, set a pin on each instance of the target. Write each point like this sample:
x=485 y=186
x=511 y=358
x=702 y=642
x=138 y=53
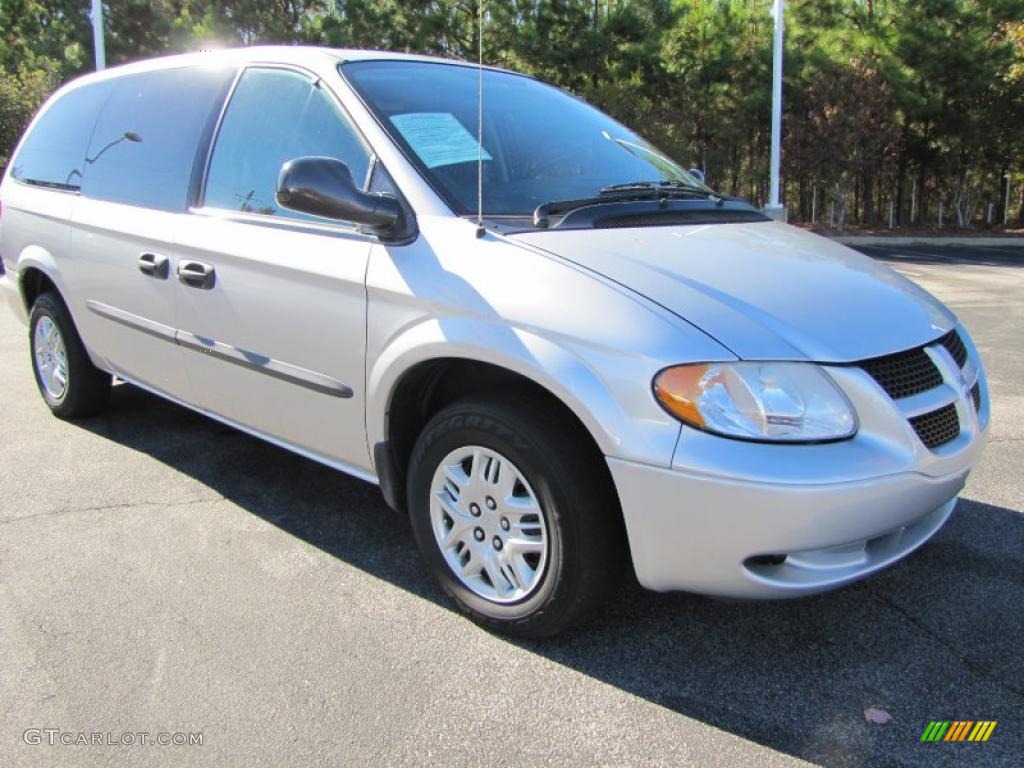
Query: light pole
x=775 y=209
x=1006 y=204
x=97 y=34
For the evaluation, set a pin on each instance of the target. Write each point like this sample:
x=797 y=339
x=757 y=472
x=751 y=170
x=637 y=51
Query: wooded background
x=890 y=107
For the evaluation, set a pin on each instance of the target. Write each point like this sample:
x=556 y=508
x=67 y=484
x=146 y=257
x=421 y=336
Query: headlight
x=783 y=402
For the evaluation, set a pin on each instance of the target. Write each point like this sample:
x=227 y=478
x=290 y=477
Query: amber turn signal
x=678 y=390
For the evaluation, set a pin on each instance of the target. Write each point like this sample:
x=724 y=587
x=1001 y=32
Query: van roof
x=269 y=54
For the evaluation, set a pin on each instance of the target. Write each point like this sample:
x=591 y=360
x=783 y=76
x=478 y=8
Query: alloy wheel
x=51 y=358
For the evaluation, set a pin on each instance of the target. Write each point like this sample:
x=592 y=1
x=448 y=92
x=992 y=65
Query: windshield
x=540 y=144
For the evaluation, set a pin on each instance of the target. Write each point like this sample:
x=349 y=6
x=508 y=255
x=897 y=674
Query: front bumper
x=722 y=537
x=754 y=520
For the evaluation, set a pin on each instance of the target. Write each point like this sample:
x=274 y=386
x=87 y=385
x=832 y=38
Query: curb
x=979 y=242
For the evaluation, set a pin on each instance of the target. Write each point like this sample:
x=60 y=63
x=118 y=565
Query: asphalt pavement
x=161 y=573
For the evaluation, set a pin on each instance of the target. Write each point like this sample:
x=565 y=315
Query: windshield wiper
x=629 y=192
x=542 y=213
x=664 y=188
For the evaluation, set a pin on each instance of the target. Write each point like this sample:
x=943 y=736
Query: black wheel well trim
x=33 y=282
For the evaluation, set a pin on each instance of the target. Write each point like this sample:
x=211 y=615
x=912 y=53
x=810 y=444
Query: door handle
x=196 y=274
x=154 y=265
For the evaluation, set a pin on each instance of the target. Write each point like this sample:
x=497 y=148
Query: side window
x=275 y=116
x=53 y=153
x=144 y=147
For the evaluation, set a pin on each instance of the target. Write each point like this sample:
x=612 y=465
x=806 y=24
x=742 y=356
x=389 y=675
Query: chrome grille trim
x=927 y=401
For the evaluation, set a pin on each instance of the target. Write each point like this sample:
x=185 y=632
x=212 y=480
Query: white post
x=940 y=214
x=991 y=212
x=1006 y=205
x=892 y=214
x=97 y=34
x=832 y=215
x=775 y=208
x=913 y=203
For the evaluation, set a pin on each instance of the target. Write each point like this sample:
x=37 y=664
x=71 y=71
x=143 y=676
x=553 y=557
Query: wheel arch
x=37 y=272
x=436 y=377
x=34 y=282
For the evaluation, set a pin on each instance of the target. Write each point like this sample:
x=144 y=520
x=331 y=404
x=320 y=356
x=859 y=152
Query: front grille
x=904 y=373
x=955 y=346
x=938 y=427
x=908 y=373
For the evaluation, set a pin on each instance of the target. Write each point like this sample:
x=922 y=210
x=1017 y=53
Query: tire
x=559 y=561
x=56 y=348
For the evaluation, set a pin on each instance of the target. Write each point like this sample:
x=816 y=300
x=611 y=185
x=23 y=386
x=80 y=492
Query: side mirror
x=698 y=174
x=323 y=186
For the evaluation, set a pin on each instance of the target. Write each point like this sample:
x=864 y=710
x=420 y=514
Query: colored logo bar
x=958 y=730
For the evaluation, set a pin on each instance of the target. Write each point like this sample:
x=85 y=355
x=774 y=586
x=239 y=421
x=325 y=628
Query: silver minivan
x=559 y=352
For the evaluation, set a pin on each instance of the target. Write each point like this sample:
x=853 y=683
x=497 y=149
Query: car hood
x=765 y=290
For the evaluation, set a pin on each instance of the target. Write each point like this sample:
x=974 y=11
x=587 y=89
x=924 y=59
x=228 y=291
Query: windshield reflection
x=539 y=143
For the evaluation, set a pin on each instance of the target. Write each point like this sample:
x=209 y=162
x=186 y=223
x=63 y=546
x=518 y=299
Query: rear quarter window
x=53 y=152
x=143 y=148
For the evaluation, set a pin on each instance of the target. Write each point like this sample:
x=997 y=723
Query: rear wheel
x=68 y=381
x=513 y=515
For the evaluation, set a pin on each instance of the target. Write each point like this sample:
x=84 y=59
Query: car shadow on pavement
x=938 y=637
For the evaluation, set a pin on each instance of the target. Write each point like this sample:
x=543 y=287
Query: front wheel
x=514 y=516
x=68 y=381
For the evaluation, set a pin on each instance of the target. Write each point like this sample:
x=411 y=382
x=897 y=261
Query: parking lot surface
x=162 y=573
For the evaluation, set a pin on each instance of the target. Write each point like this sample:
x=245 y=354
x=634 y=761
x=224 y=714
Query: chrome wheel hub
x=488 y=524
x=51 y=358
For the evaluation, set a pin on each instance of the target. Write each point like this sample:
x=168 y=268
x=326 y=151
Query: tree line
x=894 y=110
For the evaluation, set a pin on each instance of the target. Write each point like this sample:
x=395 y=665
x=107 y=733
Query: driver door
x=273 y=303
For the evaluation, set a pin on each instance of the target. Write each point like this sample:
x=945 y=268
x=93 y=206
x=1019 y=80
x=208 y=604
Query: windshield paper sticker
x=438 y=138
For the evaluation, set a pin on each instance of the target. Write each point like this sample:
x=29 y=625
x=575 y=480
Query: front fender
x=620 y=429
x=593 y=344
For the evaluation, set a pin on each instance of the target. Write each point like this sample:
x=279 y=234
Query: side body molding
x=278 y=369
